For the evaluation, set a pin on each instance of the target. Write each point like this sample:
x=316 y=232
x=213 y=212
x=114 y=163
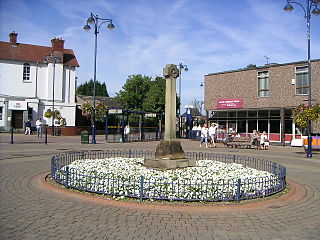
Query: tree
x=155 y=98
x=250 y=66
x=86 y=89
x=197 y=105
x=134 y=92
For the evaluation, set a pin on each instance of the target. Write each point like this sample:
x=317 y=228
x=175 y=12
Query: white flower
x=209 y=180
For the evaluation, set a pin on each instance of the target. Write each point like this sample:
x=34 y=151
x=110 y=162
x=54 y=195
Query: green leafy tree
x=134 y=92
x=155 y=98
x=86 y=89
x=251 y=66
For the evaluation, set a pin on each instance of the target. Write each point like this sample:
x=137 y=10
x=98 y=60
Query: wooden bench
x=240 y=142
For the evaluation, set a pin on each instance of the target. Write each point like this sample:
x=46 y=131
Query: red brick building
x=261 y=98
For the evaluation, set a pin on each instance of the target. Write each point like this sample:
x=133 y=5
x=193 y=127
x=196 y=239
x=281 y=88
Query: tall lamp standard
x=53 y=59
x=94 y=19
x=307 y=14
x=185 y=68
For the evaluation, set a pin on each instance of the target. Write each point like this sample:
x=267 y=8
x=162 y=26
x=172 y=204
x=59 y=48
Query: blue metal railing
x=142 y=187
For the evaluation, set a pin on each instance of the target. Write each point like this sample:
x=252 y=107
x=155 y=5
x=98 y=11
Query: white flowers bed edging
x=209 y=181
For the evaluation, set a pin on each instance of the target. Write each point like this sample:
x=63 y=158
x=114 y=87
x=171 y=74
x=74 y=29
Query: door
x=17 y=119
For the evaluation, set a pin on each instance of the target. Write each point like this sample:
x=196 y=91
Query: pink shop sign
x=230 y=103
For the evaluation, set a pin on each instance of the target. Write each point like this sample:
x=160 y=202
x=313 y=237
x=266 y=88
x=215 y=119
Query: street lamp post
x=307 y=14
x=185 y=68
x=94 y=19
x=54 y=59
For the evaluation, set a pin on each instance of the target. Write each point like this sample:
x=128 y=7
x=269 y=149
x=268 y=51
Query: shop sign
x=230 y=103
x=18 y=105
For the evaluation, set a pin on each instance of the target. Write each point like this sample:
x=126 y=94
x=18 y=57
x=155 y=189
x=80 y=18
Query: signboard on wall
x=230 y=103
x=18 y=105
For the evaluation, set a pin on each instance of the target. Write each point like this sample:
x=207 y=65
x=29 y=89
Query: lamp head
x=86 y=28
x=201 y=85
x=90 y=20
x=110 y=26
x=288 y=7
x=186 y=69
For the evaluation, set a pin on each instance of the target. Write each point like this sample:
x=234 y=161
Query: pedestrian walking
x=27 y=125
x=212 y=134
x=39 y=127
x=204 y=135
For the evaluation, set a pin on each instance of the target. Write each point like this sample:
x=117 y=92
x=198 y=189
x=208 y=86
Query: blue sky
x=206 y=35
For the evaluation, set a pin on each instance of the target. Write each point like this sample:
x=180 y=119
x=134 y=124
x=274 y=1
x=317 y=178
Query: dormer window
x=26 y=72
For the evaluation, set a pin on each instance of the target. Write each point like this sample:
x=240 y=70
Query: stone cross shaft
x=170 y=72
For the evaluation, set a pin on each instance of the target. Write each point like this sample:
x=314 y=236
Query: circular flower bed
x=209 y=181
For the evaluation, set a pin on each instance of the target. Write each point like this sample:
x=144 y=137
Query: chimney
x=57 y=45
x=13 y=38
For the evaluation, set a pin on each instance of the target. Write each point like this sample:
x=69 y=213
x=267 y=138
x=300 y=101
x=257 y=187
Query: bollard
x=11 y=141
x=46 y=137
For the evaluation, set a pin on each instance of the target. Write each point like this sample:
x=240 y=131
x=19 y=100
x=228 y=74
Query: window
x=302 y=85
x=1 y=108
x=26 y=72
x=263 y=84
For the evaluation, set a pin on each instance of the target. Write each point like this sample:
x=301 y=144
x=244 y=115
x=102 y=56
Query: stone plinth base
x=169 y=155
x=169 y=150
x=169 y=163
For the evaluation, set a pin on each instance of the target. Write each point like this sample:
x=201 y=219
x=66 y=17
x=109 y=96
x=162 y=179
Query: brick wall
x=244 y=84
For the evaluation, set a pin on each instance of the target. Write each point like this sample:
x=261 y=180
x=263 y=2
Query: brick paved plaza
x=29 y=209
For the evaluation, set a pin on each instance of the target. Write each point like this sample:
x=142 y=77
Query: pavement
x=31 y=208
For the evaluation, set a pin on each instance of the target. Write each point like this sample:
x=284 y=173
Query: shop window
x=263 y=125
x=223 y=125
x=263 y=84
x=1 y=109
x=274 y=126
x=252 y=125
x=26 y=72
x=302 y=85
x=288 y=126
x=221 y=114
x=263 y=113
x=275 y=113
x=288 y=113
x=242 y=114
x=232 y=114
x=252 y=114
x=241 y=126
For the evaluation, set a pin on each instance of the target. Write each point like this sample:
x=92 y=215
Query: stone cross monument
x=169 y=153
x=170 y=72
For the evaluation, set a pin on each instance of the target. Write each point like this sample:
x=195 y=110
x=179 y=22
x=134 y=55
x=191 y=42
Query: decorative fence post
x=234 y=158
x=67 y=176
x=141 y=188
x=52 y=167
x=238 y=189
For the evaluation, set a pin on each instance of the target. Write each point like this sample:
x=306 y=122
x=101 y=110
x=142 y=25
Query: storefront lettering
x=230 y=103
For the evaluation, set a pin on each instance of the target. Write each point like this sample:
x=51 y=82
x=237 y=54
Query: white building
x=32 y=78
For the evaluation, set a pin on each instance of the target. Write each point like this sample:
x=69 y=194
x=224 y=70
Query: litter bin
x=58 y=132
x=84 y=137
